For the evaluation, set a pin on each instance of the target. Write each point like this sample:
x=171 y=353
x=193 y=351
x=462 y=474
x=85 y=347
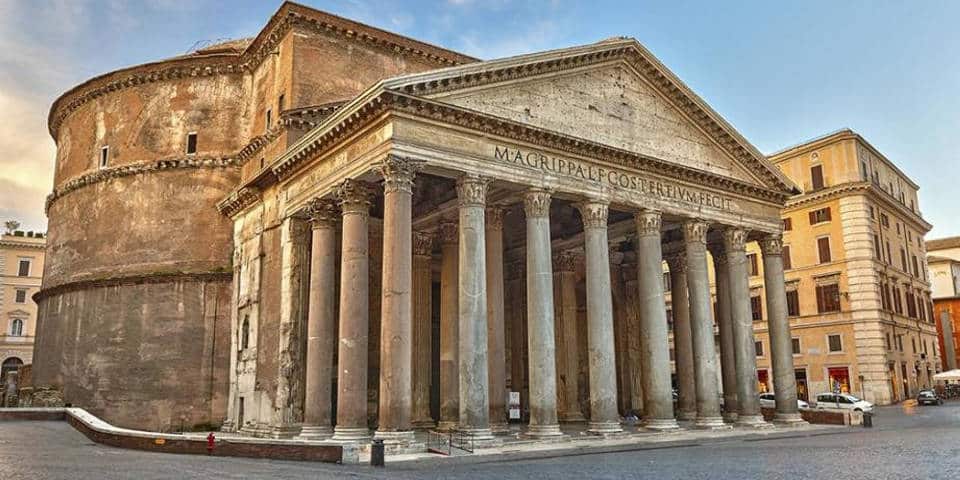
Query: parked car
x=843 y=401
x=929 y=397
x=768 y=400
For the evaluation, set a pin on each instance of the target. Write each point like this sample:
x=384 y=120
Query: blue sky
x=780 y=72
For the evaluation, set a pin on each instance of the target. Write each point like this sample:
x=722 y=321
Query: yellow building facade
x=21 y=269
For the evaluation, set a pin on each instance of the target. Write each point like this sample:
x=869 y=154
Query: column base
x=446 y=426
x=315 y=432
x=481 y=437
x=752 y=421
x=544 y=432
x=228 y=426
x=399 y=442
x=572 y=417
x=604 y=428
x=283 y=431
x=687 y=415
x=350 y=434
x=730 y=417
x=425 y=424
x=660 y=424
x=789 y=420
x=500 y=428
x=711 y=423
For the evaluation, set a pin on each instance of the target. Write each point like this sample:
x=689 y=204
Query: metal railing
x=444 y=443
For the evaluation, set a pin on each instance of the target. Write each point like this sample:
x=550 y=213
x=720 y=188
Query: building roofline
x=942 y=243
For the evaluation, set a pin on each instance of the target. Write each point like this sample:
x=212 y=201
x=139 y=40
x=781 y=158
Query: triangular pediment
x=611 y=93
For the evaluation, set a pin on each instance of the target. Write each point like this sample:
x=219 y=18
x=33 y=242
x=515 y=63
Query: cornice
x=309 y=117
x=27 y=246
x=287 y=17
x=238 y=200
x=136 y=169
x=348 y=121
x=864 y=188
x=133 y=279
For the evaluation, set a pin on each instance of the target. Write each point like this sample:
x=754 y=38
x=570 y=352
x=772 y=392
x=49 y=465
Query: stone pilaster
x=748 y=401
x=321 y=320
x=496 y=339
x=474 y=367
x=565 y=330
x=654 y=346
x=701 y=326
x=396 y=316
x=449 y=326
x=543 y=374
x=352 y=360
x=600 y=344
x=728 y=363
x=682 y=337
x=781 y=348
x=422 y=329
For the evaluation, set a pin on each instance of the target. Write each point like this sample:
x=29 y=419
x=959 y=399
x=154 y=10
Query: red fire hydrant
x=211 y=440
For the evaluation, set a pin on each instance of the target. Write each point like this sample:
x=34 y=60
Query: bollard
x=376 y=453
x=867 y=420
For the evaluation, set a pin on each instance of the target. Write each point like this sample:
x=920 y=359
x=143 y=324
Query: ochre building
x=21 y=266
x=943 y=255
x=858 y=286
x=333 y=230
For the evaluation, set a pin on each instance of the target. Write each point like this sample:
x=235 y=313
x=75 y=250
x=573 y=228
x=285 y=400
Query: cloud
x=537 y=35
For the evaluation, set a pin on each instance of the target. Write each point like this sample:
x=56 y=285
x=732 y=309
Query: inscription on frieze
x=613 y=177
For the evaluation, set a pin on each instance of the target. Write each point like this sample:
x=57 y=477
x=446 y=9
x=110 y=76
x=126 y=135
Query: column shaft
x=600 y=342
x=728 y=363
x=748 y=400
x=422 y=329
x=496 y=338
x=701 y=326
x=474 y=387
x=321 y=321
x=657 y=392
x=566 y=337
x=543 y=374
x=354 y=319
x=449 y=327
x=682 y=337
x=781 y=345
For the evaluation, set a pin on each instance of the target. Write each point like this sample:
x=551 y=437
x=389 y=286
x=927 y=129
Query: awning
x=948 y=375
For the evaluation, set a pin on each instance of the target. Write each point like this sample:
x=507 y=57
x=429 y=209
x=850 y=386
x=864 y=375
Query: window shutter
x=813 y=217
x=826 y=214
x=786 y=258
x=816 y=176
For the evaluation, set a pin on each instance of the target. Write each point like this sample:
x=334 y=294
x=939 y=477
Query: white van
x=843 y=401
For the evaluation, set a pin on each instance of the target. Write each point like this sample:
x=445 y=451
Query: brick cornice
x=133 y=279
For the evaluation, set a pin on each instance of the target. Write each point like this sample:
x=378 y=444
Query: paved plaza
x=907 y=442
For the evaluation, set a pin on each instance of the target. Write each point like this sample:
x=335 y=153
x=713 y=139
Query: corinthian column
x=565 y=301
x=449 y=327
x=743 y=341
x=781 y=347
x=600 y=344
x=654 y=350
x=496 y=354
x=474 y=388
x=351 y=425
x=701 y=326
x=682 y=337
x=422 y=329
x=321 y=320
x=728 y=362
x=396 y=326
x=543 y=373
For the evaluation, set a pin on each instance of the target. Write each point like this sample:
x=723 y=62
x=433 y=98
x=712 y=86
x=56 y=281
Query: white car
x=843 y=401
x=768 y=400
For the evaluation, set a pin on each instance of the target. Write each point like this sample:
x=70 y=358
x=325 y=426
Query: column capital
x=354 y=197
x=594 y=213
x=565 y=261
x=472 y=190
x=734 y=239
x=771 y=244
x=719 y=255
x=322 y=213
x=536 y=202
x=493 y=217
x=398 y=173
x=449 y=233
x=695 y=230
x=677 y=261
x=648 y=222
x=422 y=244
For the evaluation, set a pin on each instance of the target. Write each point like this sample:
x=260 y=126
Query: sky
x=780 y=72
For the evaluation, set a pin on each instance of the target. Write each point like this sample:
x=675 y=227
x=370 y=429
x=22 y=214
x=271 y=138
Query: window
x=913 y=344
x=191 y=143
x=245 y=333
x=823 y=249
x=884 y=220
x=756 y=307
x=269 y=118
x=816 y=177
x=828 y=298
x=666 y=281
x=872 y=213
x=835 y=343
x=21 y=296
x=754 y=269
x=864 y=173
x=758 y=347
x=670 y=319
x=889 y=257
x=261 y=163
x=897 y=300
x=795 y=343
x=281 y=102
x=877 y=251
x=787 y=263
x=793 y=303
x=903 y=260
x=16 y=328
x=820 y=216
x=889 y=346
x=916 y=268
x=672 y=355
x=884 y=299
x=900 y=342
x=898 y=228
x=24 y=268
x=787 y=224
x=104 y=156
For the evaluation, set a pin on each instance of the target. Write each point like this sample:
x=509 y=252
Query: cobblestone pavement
x=908 y=442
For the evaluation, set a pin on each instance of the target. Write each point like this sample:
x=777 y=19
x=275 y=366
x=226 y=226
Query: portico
x=531 y=235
